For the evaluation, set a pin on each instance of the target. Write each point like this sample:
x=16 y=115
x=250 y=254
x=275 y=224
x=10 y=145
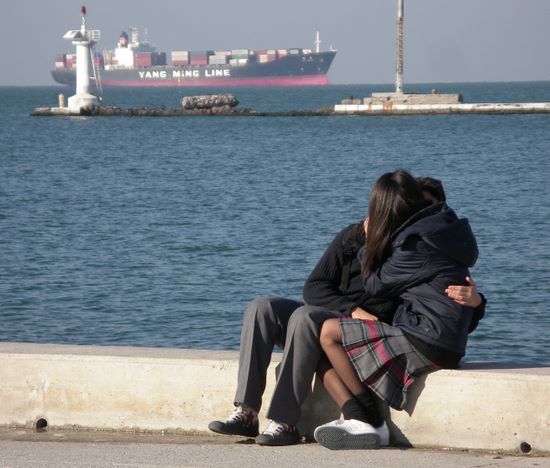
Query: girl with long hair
x=415 y=251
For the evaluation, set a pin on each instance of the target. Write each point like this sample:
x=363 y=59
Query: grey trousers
x=294 y=326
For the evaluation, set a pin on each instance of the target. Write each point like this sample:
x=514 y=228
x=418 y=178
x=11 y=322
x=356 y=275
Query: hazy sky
x=445 y=40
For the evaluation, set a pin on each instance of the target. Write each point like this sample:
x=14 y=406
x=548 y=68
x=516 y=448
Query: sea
x=157 y=231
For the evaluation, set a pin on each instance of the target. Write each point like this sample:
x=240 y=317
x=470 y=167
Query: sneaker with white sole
x=243 y=421
x=278 y=434
x=352 y=434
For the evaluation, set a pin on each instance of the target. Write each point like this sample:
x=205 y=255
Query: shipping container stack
x=98 y=63
x=108 y=57
x=143 y=59
x=281 y=53
x=220 y=57
x=180 y=58
x=200 y=57
x=265 y=56
x=98 y=60
x=158 y=58
x=70 y=60
x=60 y=61
x=239 y=57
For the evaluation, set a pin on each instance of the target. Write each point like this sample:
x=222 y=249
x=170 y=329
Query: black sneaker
x=243 y=422
x=278 y=434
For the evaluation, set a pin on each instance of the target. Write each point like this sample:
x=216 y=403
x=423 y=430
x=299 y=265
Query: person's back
x=430 y=251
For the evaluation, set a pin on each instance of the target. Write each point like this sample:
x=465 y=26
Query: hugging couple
x=391 y=299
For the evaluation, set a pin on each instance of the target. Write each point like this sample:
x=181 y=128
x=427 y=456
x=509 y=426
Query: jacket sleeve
x=322 y=286
x=478 y=314
x=405 y=267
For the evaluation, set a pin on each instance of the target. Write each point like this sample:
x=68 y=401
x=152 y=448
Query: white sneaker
x=351 y=434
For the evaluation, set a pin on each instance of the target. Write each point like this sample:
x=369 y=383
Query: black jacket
x=429 y=252
x=335 y=282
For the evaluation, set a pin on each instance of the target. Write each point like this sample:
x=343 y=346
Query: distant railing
x=93 y=35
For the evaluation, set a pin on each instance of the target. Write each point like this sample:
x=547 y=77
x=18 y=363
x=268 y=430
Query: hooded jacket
x=430 y=251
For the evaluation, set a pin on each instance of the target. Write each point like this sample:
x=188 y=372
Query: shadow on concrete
x=498 y=366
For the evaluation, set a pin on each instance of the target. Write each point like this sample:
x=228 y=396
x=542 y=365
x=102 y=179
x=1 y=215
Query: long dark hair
x=395 y=197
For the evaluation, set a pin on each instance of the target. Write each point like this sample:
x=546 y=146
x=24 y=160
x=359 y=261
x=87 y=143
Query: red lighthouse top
x=83 y=10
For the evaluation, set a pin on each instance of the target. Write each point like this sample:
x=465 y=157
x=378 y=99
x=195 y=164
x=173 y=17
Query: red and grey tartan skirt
x=384 y=359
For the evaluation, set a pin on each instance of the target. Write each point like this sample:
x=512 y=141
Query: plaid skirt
x=384 y=359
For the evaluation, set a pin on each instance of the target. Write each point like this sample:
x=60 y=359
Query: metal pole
x=399 y=62
x=318 y=43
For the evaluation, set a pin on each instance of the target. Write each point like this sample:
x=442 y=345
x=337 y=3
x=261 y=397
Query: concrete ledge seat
x=482 y=406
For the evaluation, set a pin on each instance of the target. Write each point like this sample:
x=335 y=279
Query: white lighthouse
x=83 y=39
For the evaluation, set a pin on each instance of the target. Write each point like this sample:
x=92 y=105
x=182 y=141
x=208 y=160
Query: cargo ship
x=135 y=63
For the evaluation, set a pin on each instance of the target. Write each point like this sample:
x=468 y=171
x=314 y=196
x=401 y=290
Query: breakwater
x=337 y=110
x=106 y=111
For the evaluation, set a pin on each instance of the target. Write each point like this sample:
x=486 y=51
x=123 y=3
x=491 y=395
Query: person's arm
x=403 y=269
x=322 y=288
x=469 y=296
x=479 y=313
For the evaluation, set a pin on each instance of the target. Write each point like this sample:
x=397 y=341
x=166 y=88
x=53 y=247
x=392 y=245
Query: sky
x=445 y=40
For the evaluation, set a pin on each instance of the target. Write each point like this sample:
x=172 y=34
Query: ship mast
x=318 y=43
x=399 y=60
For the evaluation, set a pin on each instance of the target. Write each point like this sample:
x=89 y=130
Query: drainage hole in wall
x=40 y=425
x=525 y=447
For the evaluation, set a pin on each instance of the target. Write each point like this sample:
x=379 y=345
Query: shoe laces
x=241 y=414
x=275 y=428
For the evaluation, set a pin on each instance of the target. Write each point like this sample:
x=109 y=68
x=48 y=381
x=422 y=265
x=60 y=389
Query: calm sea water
x=158 y=231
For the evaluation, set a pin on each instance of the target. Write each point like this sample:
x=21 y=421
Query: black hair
x=433 y=187
x=395 y=197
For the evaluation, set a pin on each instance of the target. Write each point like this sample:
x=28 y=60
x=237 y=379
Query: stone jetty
x=384 y=104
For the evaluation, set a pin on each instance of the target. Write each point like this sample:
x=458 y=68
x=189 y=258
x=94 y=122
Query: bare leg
x=343 y=384
x=335 y=387
x=331 y=342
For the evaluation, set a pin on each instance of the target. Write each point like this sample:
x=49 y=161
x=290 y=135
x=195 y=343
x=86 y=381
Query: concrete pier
x=482 y=406
x=432 y=103
x=392 y=108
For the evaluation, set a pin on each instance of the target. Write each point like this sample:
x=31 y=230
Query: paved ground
x=96 y=449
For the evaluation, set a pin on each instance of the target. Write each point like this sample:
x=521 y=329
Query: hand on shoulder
x=465 y=295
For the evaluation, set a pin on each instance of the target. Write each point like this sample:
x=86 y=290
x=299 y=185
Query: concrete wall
x=479 y=407
x=404 y=98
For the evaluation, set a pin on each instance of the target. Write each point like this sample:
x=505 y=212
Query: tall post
x=318 y=43
x=399 y=61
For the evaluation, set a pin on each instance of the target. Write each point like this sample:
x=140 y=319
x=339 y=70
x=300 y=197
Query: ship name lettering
x=153 y=74
x=185 y=74
x=217 y=72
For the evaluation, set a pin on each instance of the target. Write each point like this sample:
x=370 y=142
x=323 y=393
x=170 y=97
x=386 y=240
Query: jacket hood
x=439 y=226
